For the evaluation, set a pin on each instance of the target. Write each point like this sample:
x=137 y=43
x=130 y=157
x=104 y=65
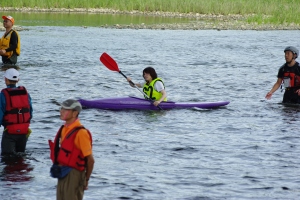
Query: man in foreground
x=71 y=154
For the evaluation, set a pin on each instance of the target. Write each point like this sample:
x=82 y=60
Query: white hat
x=12 y=74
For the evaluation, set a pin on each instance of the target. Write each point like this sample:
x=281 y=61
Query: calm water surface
x=246 y=150
x=86 y=19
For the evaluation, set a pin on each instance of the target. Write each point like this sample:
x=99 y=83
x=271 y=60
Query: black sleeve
x=280 y=72
x=13 y=42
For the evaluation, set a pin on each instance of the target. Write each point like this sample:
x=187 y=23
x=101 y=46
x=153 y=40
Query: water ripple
x=246 y=150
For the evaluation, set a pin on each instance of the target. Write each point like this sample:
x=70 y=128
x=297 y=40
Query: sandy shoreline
x=198 y=21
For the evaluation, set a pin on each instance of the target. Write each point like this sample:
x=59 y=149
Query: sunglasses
x=5 y=21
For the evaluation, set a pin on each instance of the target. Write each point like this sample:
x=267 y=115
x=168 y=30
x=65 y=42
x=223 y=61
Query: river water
x=248 y=149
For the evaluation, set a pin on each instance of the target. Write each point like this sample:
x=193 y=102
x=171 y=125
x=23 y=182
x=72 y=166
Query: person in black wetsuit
x=289 y=77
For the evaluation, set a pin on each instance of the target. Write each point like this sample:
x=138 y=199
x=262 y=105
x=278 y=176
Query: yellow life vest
x=150 y=90
x=4 y=44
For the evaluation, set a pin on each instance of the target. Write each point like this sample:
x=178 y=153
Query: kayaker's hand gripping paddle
x=111 y=64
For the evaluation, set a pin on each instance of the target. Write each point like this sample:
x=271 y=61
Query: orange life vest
x=68 y=154
x=17 y=116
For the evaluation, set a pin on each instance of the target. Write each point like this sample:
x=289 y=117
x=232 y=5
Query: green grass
x=259 y=11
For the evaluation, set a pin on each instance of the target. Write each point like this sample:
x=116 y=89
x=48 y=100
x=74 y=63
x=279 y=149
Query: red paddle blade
x=109 y=62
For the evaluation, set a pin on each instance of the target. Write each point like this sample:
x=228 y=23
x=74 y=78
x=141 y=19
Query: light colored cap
x=10 y=18
x=12 y=74
x=71 y=104
x=292 y=49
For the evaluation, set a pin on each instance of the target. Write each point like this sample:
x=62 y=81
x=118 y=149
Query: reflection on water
x=86 y=19
x=290 y=112
x=15 y=169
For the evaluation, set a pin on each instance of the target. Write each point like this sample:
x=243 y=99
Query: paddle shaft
x=132 y=83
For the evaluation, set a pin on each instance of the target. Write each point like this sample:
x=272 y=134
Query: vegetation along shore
x=213 y=14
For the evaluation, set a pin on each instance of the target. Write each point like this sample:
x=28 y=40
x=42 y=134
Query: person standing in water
x=15 y=114
x=153 y=87
x=71 y=154
x=10 y=44
x=289 y=77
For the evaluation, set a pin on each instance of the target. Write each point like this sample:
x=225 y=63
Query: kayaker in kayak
x=153 y=87
x=289 y=77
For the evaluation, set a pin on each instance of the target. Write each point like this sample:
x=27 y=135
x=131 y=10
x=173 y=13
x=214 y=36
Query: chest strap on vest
x=18 y=111
x=56 y=147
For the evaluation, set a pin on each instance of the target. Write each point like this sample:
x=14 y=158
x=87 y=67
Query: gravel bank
x=197 y=22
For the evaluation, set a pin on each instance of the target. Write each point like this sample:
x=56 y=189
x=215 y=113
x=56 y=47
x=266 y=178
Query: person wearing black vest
x=288 y=77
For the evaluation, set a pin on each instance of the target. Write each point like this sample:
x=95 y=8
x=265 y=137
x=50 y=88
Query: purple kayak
x=135 y=103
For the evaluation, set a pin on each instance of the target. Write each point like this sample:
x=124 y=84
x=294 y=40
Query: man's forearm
x=89 y=166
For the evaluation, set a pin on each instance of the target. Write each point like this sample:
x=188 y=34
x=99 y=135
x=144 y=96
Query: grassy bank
x=256 y=11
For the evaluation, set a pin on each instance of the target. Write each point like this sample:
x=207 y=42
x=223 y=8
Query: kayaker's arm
x=138 y=85
x=164 y=95
x=274 y=88
x=130 y=83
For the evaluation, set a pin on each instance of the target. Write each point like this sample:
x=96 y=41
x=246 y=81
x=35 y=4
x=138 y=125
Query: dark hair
x=151 y=71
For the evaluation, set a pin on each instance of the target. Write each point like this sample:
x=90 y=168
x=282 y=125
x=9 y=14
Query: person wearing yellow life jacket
x=289 y=77
x=153 y=87
x=15 y=114
x=10 y=44
x=71 y=154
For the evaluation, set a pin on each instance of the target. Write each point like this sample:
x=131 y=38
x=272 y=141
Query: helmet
x=292 y=49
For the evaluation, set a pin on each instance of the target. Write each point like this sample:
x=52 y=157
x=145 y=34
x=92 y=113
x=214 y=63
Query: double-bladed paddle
x=111 y=64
